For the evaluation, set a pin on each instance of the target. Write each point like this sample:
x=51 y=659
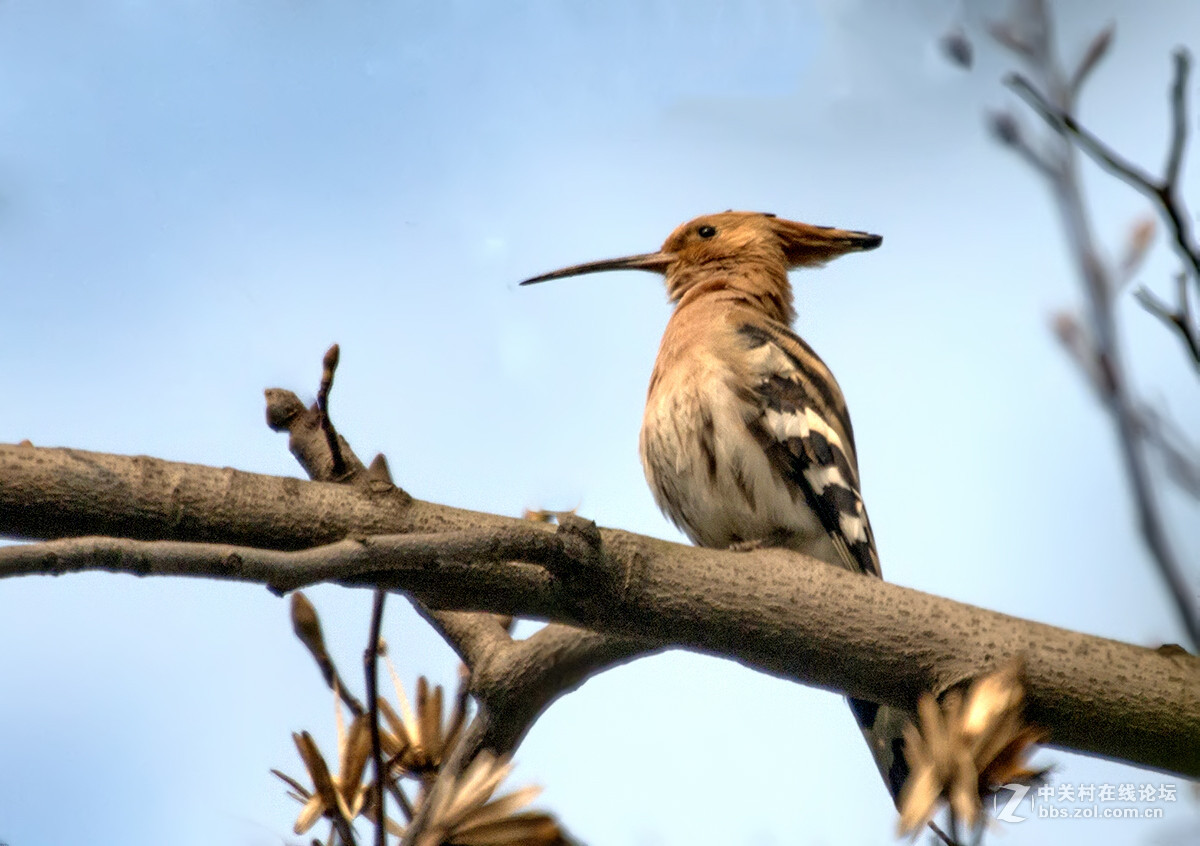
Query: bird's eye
x=706 y=231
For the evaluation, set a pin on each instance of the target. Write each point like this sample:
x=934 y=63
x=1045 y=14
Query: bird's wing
x=800 y=418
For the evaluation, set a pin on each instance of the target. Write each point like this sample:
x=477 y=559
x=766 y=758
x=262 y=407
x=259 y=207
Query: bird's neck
x=763 y=286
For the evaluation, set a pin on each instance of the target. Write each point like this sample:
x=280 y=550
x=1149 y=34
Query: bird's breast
x=707 y=472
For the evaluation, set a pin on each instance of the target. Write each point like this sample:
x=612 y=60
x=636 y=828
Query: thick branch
x=774 y=610
x=512 y=681
x=516 y=680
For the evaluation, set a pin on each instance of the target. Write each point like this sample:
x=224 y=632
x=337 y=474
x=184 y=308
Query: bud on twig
x=307 y=626
x=957 y=47
x=1095 y=52
x=1137 y=243
x=1004 y=128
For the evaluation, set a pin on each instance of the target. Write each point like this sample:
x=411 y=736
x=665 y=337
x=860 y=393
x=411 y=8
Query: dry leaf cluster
x=469 y=816
x=415 y=742
x=966 y=748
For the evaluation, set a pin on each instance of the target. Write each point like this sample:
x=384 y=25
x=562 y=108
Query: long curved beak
x=654 y=262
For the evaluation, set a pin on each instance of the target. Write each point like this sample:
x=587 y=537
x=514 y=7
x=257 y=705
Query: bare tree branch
x=515 y=681
x=1178 y=317
x=775 y=610
x=1100 y=152
x=1181 y=456
x=473 y=636
x=328 y=370
x=370 y=671
x=1097 y=50
x=1006 y=129
x=512 y=682
x=307 y=626
x=310 y=443
x=1164 y=192
x=1179 y=121
x=518 y=679
x=1052 y=97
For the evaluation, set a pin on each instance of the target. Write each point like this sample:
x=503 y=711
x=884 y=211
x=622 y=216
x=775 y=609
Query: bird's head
x=748 y=236
x=734 y=249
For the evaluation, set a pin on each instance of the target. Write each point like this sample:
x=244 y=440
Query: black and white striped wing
x=804 y=427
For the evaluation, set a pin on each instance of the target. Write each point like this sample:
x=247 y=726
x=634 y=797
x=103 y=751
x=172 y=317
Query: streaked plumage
x=739 y=444
x=746 y=439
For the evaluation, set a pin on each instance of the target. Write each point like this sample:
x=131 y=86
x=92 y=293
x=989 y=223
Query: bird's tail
x=883 y=728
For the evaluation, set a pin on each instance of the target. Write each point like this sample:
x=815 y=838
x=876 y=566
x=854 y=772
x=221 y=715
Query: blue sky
x=196 y=199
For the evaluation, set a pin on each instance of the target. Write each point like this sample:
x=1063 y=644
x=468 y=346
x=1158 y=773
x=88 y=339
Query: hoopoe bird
x=746 y=440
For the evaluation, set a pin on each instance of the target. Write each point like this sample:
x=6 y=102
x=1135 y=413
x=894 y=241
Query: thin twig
x=462 y=704
x=1179 y=129
x=943 y=836
x=307 y=626
x=1163 y=192
x=344 y=829
x=1096 y=51
x=1055 y=109
x=1181 y=456
x=1007 y=130
x=371 y=666
x=1179 y=318
x=328 y=369
x=1060 y=120
x=397 y=791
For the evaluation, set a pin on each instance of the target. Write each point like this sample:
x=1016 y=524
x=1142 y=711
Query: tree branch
x=371 y=675
x=1178 y=318
x=1065 y=123
x=511 y=683
x=1164 y=192
x=775 y=610
x=1179 y=121
x=514 y=682
x=333 y=442
x=1053 y=101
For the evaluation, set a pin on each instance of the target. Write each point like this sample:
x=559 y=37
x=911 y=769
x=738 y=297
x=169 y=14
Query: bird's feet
x=747 y=545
